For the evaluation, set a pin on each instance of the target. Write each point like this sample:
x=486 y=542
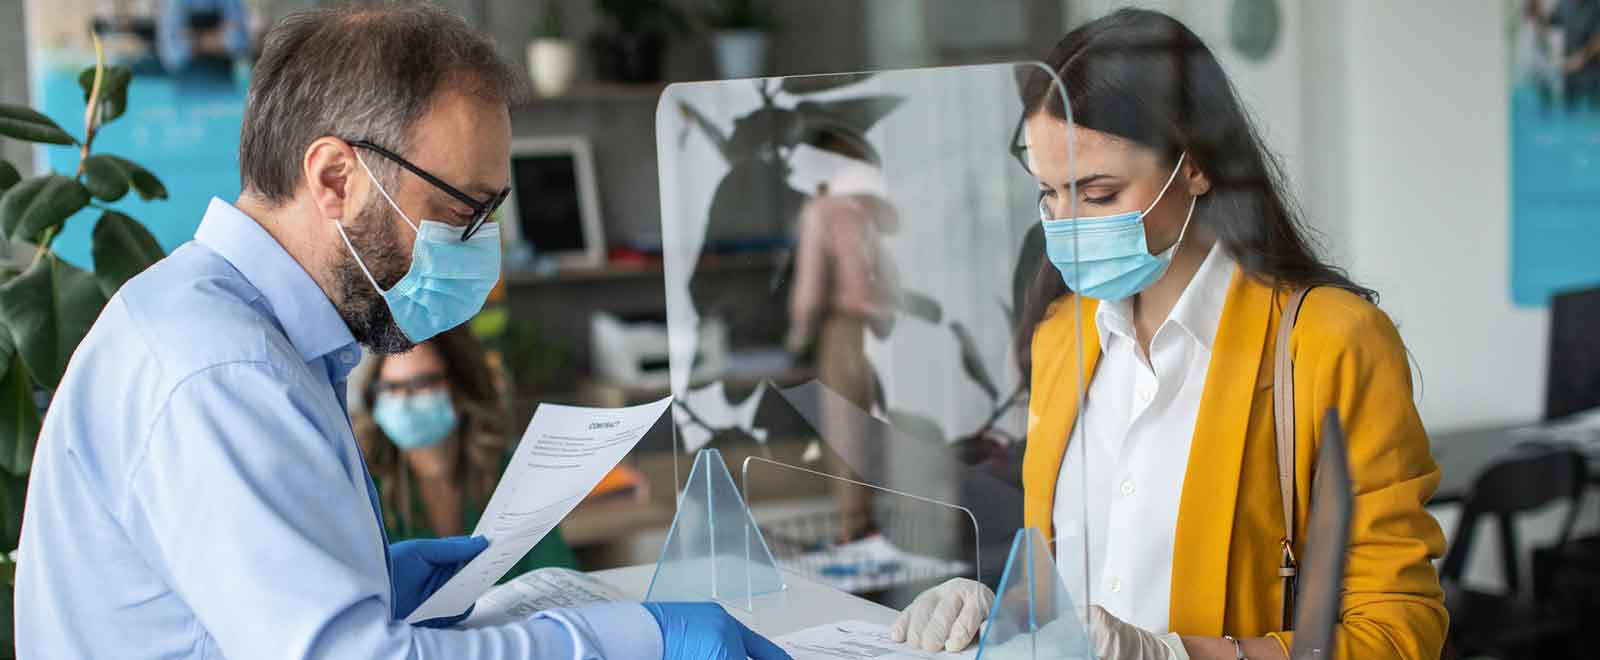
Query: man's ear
x=333 y=177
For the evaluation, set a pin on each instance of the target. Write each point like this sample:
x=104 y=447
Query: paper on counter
x=536 y=591
x=855 y=640
x=562 y=456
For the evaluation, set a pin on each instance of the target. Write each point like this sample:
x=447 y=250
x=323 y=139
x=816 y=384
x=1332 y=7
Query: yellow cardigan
x=1348 y=356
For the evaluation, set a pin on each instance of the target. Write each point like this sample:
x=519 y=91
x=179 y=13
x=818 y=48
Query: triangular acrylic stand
x=714 y=550
x=1033 y=617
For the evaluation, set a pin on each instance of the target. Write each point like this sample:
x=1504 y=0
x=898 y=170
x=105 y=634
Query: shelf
x=735 y=263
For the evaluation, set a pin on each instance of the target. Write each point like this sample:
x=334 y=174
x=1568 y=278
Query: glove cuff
x=1174 y=644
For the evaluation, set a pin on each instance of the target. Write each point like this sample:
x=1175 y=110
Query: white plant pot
x=740 y=53
x=553 y=65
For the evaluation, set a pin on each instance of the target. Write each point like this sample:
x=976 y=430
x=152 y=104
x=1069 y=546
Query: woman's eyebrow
x=1084 y=181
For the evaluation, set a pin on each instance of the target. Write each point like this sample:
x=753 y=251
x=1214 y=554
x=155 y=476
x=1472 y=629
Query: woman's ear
x=1197 y=183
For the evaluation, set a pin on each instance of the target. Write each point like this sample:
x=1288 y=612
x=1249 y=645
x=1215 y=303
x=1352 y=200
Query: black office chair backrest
x=1522 y=482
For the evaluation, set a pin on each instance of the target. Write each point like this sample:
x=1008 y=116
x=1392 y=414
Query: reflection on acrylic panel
x=901 y=226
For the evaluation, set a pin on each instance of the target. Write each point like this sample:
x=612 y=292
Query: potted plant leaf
x=739 y=30
x=552 y=56
x=630 y=48
x=47 y=304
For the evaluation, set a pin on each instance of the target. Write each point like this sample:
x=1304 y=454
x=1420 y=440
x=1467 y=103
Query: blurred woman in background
x=434 y=429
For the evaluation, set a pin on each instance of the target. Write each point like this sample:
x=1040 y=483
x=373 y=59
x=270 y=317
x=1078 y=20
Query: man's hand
x=421 y=566
x=705 y=631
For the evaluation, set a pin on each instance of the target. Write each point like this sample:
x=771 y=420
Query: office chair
x=1514 y=624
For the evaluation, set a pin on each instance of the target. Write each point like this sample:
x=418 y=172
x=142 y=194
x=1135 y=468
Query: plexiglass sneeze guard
x=848 y=263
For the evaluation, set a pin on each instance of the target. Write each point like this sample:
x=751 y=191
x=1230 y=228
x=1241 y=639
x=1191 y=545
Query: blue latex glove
x=704 y=631
x=420 y=566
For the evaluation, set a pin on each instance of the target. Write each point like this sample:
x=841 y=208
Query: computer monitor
x=554 y=206
x=1573 y=383
x=1321 y=574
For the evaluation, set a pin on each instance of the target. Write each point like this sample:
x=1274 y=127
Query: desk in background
x=806 y=603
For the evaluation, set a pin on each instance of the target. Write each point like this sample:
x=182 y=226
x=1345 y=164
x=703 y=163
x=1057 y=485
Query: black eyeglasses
x=421 y=383
x=480 y=210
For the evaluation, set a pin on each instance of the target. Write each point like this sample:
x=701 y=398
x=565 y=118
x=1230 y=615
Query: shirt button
x=1127 y=487
x=1116 y=585
x=1145 y=394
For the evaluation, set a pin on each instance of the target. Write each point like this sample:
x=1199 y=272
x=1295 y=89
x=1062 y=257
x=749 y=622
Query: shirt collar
x=1198 y=310
x=304 y=312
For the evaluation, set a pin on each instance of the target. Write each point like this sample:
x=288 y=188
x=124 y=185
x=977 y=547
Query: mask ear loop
x=1170 y=178
x=413 y=225
x=396 y=207
x=353 y=253
x=1192 y=200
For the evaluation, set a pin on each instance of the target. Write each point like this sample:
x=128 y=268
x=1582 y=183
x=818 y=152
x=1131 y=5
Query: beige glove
x=946 y=617
x=1115 y=640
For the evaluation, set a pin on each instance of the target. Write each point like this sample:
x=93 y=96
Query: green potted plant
x=47 y=304
x=739 y=30
x=629 y=49
x=552 y=56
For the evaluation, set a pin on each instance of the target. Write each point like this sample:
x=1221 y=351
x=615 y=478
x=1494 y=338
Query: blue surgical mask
x=415 y=421
x=1106 y=257
x=449 y=278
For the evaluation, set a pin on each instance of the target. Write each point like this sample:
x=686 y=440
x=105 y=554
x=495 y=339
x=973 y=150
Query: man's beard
x=374 y=236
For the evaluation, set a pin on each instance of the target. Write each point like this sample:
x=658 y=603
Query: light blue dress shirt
x=198 y=493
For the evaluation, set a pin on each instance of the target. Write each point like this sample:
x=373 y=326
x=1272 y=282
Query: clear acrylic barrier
x=866 y=244
x=714 y=551
x=880 y=544
x=1033 y=616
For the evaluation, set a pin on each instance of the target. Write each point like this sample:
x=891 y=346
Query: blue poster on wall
x=185 y=103
x=187 y=135
x=1555 y=149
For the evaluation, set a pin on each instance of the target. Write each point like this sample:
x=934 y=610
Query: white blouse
x=1117 y=497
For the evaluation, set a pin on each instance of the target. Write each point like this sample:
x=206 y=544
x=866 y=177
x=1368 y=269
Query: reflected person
x=844 y=287
x=197 y=489
x=1183 y=248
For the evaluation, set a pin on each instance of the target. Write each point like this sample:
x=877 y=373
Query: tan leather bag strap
x=1283 y=420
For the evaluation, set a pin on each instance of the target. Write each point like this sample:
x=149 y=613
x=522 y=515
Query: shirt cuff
x=612 y=631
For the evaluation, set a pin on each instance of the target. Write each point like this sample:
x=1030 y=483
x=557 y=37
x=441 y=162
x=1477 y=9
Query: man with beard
x=197 y=490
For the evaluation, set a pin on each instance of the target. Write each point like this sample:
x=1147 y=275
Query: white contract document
x=547 y=588
x=562 y=456
x=855 y=640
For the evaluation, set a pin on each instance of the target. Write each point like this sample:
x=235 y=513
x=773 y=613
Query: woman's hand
x=946 y=617
x=1116 y=640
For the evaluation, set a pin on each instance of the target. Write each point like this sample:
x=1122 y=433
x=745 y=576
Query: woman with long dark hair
x=1183 y=251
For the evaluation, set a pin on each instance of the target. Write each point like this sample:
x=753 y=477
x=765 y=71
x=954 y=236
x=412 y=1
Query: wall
x=1391 y=122
x=1428 y=211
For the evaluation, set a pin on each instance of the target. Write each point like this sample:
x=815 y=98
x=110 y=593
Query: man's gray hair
x=357 y=72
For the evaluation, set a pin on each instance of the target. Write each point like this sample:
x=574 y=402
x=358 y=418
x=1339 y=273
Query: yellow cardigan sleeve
x=1393 y=606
